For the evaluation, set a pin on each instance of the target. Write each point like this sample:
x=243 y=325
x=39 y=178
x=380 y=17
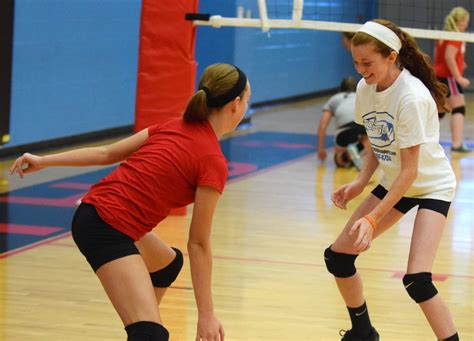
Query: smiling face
x=373 y=66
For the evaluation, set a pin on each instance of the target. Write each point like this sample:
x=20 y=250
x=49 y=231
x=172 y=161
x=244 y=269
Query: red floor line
x=72 y=185
x=320 y=265
x=254 y=260
x=32 y=230
x=271 y=168
x=69 y=201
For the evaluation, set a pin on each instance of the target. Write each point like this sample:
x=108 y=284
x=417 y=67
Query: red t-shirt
x=162 y=174
x=440 y=66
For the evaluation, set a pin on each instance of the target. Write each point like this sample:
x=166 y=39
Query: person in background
x=449 y=66
x=346 y=38
x=350 y=138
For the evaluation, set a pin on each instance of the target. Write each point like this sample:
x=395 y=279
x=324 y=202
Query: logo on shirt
x=379 y=127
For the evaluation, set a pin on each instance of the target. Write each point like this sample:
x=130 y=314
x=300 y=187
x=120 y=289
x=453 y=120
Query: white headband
x=382 y=33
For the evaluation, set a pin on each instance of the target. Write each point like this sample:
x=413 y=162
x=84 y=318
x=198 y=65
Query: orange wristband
x=371 y=221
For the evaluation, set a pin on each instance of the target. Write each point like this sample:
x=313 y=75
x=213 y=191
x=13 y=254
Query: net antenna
x=297 y=22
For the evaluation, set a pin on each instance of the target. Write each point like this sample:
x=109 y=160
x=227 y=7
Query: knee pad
x=340 y=264
x=146 y=331
x=164 y=277
x=419 y=286
x=459 y=110
x=342 y=159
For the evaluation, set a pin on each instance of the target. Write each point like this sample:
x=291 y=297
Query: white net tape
x=297 y=12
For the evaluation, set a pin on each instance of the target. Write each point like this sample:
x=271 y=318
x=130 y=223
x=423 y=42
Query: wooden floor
x=270 y=281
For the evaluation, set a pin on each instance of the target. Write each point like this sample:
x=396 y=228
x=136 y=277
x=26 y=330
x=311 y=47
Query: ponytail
x=219 y=85
x=456 y=15
x=196 y=110
x=419 y=64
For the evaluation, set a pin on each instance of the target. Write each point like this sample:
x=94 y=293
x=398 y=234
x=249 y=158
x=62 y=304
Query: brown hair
x=410 y=57
x=217 y=79
x=348 y=84
x=348 y=35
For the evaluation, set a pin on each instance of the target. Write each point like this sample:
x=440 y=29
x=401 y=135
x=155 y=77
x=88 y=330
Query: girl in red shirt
x=449 y=68
x=165 y=166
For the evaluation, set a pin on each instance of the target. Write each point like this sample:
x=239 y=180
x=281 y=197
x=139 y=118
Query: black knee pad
x=340 y=264
x=459 y=110
x=146 y=331
x=164 y=277
x=419 y=286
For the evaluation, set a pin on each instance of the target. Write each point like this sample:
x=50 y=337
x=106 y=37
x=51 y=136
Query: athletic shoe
x=347 y=335
x=461 y=149
x=355 y=155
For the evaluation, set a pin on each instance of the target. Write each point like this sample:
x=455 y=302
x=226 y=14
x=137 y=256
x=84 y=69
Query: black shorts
x=405 y=204
x=349 y=133
x=99 y=242
x=454 y=88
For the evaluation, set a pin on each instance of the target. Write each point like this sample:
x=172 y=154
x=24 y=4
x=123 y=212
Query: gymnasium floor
x=271 y=227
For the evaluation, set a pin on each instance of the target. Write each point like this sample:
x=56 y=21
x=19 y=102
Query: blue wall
x=74 y=67
x=75 y=61
x=283 y=62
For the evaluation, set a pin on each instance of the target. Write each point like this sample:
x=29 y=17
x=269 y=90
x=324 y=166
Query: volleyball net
x=420 y=18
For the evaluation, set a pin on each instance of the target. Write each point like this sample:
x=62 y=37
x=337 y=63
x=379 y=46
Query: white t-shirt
x=342 y=106
x=401 y=116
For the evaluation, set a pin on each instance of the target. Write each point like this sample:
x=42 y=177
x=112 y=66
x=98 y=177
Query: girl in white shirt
x=397 y=101
x=341 y=107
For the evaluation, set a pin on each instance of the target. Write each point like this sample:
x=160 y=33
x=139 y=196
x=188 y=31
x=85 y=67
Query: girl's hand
x=464 y=82
x=322 y=154
x=345 y=193
x=364 y=231
x=26 y=163
x=209 y=328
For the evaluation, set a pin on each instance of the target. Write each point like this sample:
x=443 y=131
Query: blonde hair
x=456 y=15
x=217 y=79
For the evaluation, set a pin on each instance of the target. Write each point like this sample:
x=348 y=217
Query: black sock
x=454 y=337
x=360 y=320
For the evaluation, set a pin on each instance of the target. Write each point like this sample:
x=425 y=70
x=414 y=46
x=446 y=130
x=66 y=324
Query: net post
x=297 y=12
x=262 y=8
